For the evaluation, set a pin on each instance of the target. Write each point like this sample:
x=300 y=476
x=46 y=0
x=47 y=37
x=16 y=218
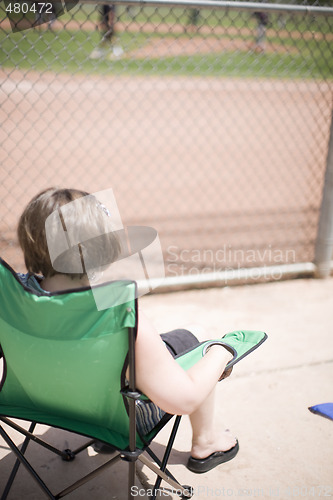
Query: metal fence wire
x=210 y=121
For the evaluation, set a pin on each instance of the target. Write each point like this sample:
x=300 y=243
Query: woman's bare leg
x=207 y=438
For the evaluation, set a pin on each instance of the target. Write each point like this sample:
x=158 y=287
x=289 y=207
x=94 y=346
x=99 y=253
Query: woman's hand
x=226 y=373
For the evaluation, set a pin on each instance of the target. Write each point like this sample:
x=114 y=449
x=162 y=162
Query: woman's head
x=81 y=221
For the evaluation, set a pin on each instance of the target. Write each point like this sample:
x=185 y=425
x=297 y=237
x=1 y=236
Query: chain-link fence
x=210 y=122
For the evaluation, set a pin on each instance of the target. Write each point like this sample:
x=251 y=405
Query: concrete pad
x=285 y=451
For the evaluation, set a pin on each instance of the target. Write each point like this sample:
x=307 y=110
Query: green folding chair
x=64 y=365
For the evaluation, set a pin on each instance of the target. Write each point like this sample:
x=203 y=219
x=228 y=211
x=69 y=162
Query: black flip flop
x=201 y=465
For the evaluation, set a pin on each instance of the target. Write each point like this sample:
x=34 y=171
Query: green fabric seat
x=65 y=359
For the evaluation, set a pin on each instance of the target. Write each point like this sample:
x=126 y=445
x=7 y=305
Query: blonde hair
x=91 y=215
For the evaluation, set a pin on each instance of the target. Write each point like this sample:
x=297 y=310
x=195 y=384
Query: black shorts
x=179 y=341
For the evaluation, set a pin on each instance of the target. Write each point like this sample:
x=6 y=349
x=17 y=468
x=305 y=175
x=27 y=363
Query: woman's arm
x=160 y=377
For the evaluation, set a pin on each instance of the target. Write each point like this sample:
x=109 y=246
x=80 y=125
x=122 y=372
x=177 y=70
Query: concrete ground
x=285 y=451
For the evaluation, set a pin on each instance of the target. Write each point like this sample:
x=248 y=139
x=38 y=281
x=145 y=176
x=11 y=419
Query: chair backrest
x=64 y=359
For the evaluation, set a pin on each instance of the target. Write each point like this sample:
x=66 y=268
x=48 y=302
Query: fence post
x=324 y=242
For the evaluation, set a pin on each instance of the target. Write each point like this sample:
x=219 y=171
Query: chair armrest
x=189 y=358
x=240 y=343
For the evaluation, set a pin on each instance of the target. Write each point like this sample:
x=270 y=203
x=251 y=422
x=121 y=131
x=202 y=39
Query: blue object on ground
x=325 y=410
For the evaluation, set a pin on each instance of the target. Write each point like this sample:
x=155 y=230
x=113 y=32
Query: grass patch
x=69 y=51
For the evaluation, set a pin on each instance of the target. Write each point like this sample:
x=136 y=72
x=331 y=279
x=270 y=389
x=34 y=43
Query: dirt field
x=207 y=161
x=211 y=163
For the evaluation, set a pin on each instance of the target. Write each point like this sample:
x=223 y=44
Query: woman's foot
x=209 y=453
x=203 y=447
x=201 y=465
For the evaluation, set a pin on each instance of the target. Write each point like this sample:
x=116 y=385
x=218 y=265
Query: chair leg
x=131 y=479
x=17 y=463
x=167 y=452
x=87 y=477
x=162 y=472
x=184 y=491
x=26 y=464
x=64 y=454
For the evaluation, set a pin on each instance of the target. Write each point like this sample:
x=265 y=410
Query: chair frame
x=131 y=456
x=132 y=453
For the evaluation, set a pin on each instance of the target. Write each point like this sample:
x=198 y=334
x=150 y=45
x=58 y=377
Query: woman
x=170 y=388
